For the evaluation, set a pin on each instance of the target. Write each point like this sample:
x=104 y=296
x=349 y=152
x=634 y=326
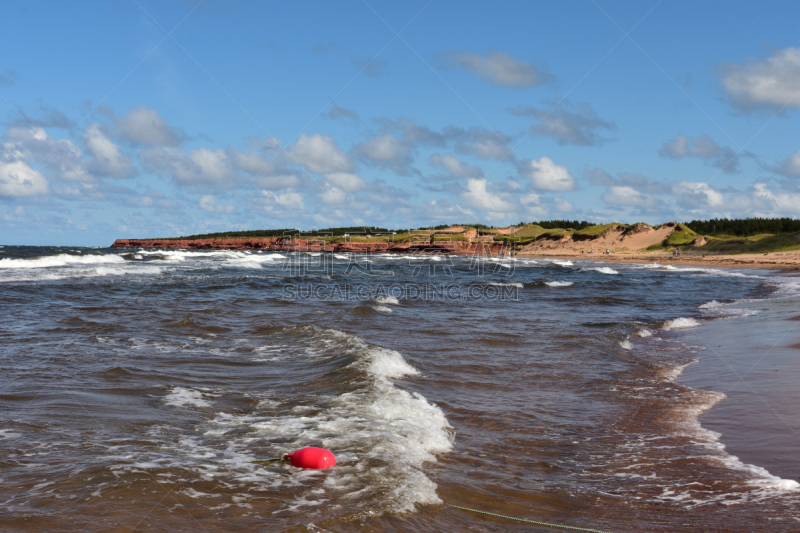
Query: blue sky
x=143 y=119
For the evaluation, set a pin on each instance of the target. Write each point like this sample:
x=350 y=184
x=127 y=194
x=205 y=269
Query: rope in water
x=573 y=528
x=273 y=460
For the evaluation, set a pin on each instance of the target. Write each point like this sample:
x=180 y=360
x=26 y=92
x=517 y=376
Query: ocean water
x=138 y=385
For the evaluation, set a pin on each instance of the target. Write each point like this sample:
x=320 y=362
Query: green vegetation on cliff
x=744 y=227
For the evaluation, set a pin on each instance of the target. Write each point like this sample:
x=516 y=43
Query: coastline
x=754 y=343
x=783 y=262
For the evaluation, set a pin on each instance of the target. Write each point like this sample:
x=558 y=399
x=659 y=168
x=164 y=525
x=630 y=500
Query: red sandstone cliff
x=306 y=245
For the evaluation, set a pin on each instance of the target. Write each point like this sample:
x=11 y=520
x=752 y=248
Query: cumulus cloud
x=266 y=173
x=562 y=205
x=396 y=144
x=288 y=199
x=628 y=196
x=545 y=175
x=209 y=203
x=478 y=197
x=143 y=125
x=455 y=167
x=699 y=194
x=500 y=68
x=388 y=151
x=767 y=203
x=201 y=167
x=108 y=160
x=346 y=181
x=333 y=196
x=482 y=143
x=702 y=147
x=61 y=158
x=567 y=123
x=320 y=154
x=772 y=82
x=19 y=179
x=638 y=182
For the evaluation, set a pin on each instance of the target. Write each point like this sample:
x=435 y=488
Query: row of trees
x=743 y=227
x=715 y=226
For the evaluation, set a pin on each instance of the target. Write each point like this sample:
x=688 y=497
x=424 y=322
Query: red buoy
x=312 y=457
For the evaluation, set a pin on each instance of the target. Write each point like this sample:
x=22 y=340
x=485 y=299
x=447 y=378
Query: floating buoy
x=312 y=457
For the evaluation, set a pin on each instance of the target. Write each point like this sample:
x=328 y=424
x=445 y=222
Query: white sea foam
x=558 y=283
x=711 y=305
x=644 y=333
x=606 y=270
x=388 y=299
x=381 y=434
x=60 y=260
x=382 y=309
x=8 y=434
x=681 y=323
x=386 y=363
x=512 y=284
x=563 y=262
x=185 y=397
x=341 y=256
x=626 y=345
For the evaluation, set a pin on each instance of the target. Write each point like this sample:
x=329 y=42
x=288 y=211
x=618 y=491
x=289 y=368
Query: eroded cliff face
x=310 y=245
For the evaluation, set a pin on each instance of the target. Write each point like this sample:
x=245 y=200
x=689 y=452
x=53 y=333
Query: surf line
x=525 y=520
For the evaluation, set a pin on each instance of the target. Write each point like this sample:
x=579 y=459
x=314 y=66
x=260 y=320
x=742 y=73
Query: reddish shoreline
x=787 y=262
x=283 y=244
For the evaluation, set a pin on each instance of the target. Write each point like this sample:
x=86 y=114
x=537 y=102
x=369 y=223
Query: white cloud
x=546 y=175
x=562 y=205
x=772 y=82
x=333 y=196
x=267 y=174
x=455 y=167
x=533 y=206
x=482 y=143
x=699 y=194
x=61 y=158
x=383 y=148
x=288 y=199
x=209 y=203
x=200 y=167
x=19 y=179
x=501 y=69
x=143 y=125
x=682 y=146
x=319 y=153
x=478 y=197
x=345 y=181
x=398 y=141
x=623 y=195
x=108 y=159
x=769 y=204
